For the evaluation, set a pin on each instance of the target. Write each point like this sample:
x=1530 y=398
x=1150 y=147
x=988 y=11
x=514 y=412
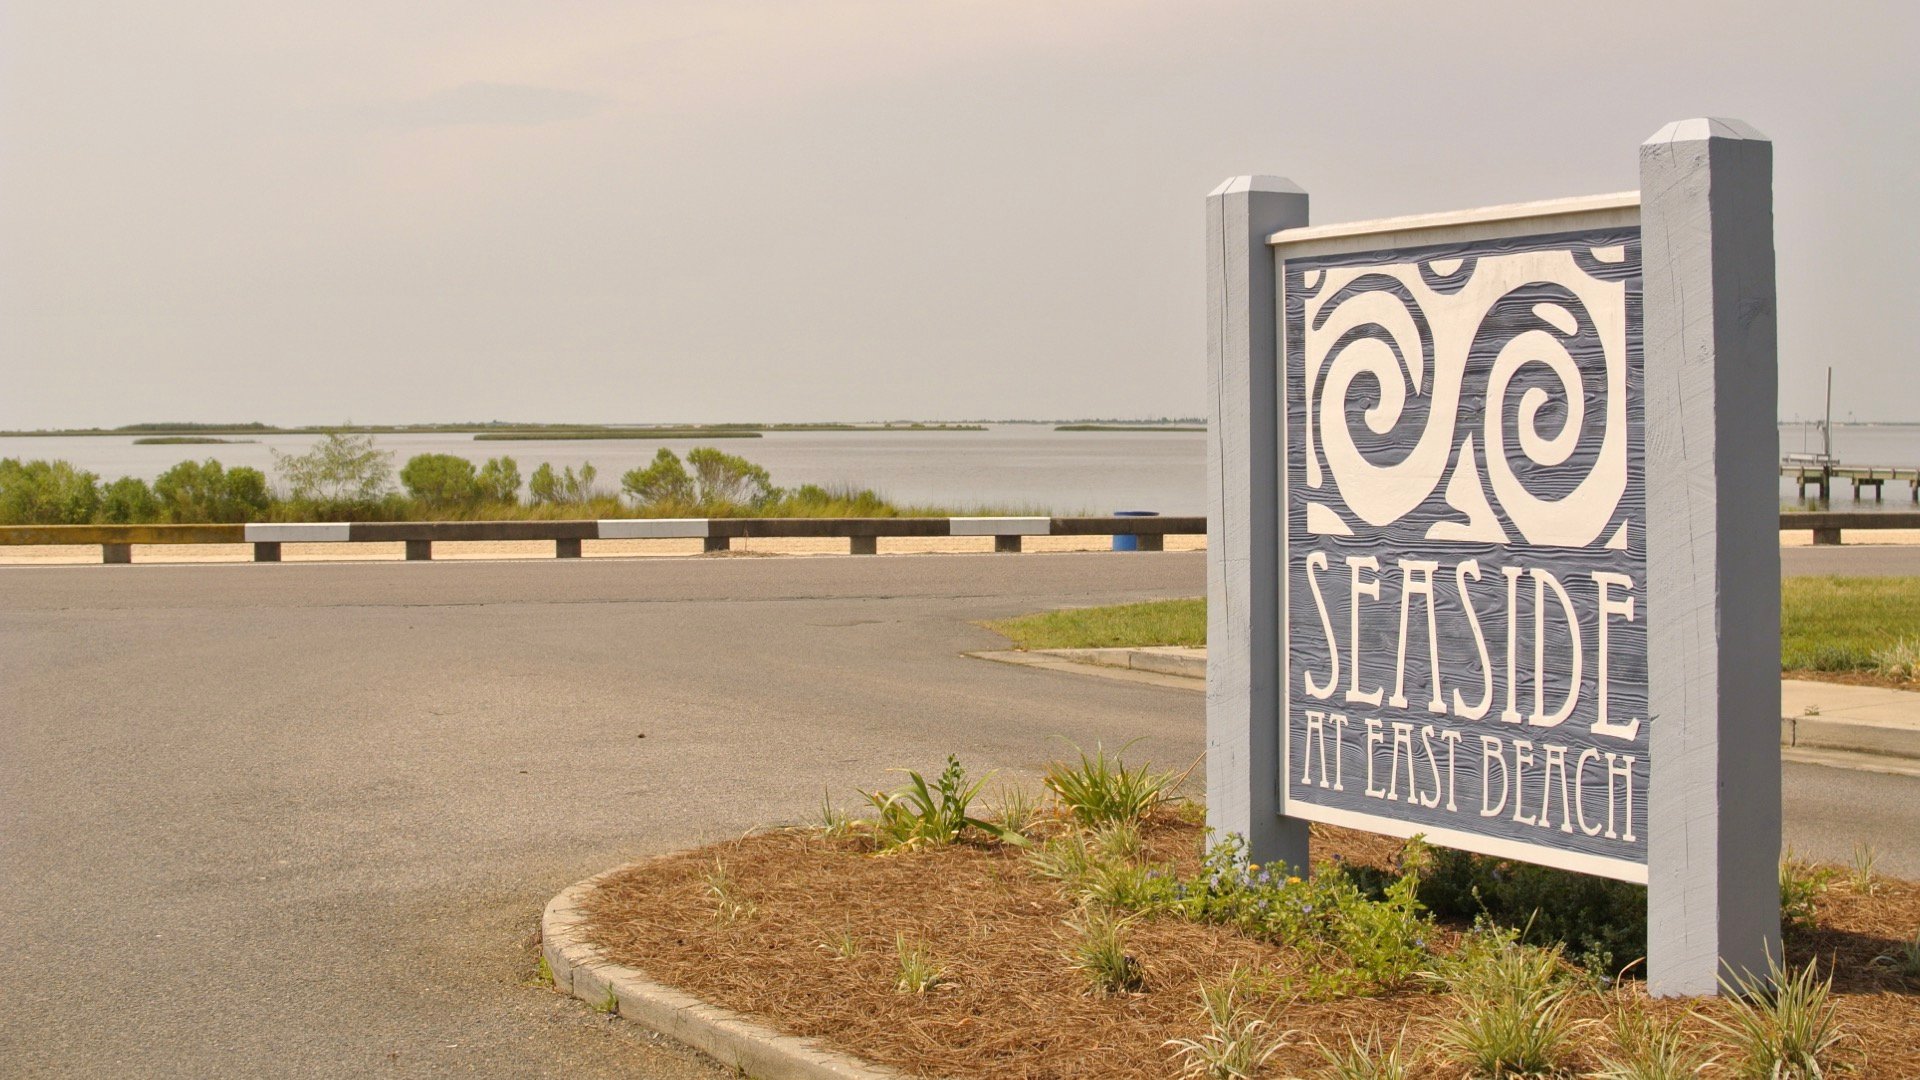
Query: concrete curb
x=726 y=1036
x=1159 y=659
x=1813 y=732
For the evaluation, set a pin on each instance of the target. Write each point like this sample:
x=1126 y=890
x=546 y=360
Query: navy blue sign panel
x=1465 y=647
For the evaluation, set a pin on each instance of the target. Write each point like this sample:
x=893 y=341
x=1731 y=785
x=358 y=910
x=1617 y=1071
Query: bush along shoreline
x=347 y=477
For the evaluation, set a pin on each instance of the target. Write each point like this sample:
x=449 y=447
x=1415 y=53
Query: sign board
x=1492 y=553
x=1465 y=534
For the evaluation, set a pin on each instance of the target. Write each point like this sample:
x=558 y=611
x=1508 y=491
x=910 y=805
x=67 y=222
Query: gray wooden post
x=1243 y=523
x=419 y=550
x=1713 y=555
x=566 y=547
x=266 y=551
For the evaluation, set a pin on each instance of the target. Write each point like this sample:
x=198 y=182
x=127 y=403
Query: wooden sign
x=1491 y=556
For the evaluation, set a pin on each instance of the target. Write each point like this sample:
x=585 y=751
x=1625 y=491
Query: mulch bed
x=1013 y=1005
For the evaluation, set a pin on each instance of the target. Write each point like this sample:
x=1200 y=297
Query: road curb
x=1813 y=732
x=726 y=1036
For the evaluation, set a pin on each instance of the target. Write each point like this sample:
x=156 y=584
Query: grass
x=1783 y=1026
x=1101 y=788
x=1156 y=622
x=1100 y=953
x=1850 y=625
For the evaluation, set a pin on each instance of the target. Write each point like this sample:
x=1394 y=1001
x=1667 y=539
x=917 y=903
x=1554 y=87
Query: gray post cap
x=1702 y=128
x=1235 y=185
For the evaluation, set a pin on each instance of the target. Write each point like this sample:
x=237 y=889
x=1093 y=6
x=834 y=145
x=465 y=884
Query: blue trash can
x=1130 y=542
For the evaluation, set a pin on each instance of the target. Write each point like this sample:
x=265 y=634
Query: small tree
x=499 y=481
x=441 y=480
x=340 y=469
x=726 y=480
x=663 y=483
x=128 y=501
x=47 y=493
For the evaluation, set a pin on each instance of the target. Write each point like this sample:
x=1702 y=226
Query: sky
x=576 y=210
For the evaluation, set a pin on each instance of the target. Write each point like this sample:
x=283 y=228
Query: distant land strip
x=187 y=440
x=485 y=429
x=1125 y=427
x=629 y=434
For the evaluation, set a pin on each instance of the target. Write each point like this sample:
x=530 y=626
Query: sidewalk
x=1814 y=716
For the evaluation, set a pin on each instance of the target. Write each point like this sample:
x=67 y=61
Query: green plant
x=1064 y=859
x=663 y=483
x=916 y=971
x=725 y=480
x=1100 y=953
x=1236 y=1043
x=1898 y=659
x=1862 y=876
x=46 y=493
x=1118 y=840
x=729 y=905
x=1646 y=1049
x=339 y=470
x=1511 y=1006
x=204 y=491
x=1904 y=959
x=1373 y=1059
x=610 y=1004
x=834 y=822
x=1016 y=809
x=1801 y=884
x=128 y=501
x=565 y=488
x=499 y=481
x=542 y=972
x=919 y=815
x=843 y=944
x=441 y=481
x=1601 y=922
x=1101 y=788
x=1782 y=1026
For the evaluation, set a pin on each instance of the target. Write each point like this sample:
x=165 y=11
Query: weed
x=543 y=972
x=1236 y=1043
x=1904 y=959
x=609 y=1004
x=1862 y=878
x=1801 y=883
x=1646 y=1049
x=918 y=972
x=1100 y=953
x=843 y=945
x=1898 y=659
x=834 y=822
x=1811 y=710
x=1101 y=788
x=919 y=815
x=729 y=905
x=1512 y=1000
x=1782 y=1026
x=1369 y=1060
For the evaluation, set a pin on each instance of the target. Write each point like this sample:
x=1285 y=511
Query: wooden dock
x=1819 y=472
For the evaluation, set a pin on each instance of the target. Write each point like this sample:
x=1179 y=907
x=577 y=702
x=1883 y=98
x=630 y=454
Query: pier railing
x=718 y=534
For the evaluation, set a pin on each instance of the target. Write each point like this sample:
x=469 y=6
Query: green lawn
x=1157 y=622
x=1827 y=624
x=1850 y=624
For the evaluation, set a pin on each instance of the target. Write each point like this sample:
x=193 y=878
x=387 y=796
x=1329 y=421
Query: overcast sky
x=620 y=211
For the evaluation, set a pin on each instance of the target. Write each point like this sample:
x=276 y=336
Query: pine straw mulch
x=1012 y=1004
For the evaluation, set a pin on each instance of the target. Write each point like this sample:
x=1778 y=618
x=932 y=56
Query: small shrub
x=47 y=493
x=339 y=471
x=1511 y=1015
x=1801 y=884
x=1601 y=922
x=1373 y=1059
x=1100 y=953
x=204 y=491
x=663 y=484
x=725 y=480
x=1782 y=1026
x=128 y=501
x=441 y=481
x=1236 y=1043
x=565 y=488
x=917 y=971
x=921 y=815
x=1646 y=1049
x=1101 y=788
x=499 y=481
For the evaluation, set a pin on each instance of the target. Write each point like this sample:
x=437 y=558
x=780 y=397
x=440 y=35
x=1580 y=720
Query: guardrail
x=716 y=534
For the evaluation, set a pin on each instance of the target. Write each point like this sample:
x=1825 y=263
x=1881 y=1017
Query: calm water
x=1007 y=466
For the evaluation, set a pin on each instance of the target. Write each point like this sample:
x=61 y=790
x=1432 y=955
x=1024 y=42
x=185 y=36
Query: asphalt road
x=299 y=820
